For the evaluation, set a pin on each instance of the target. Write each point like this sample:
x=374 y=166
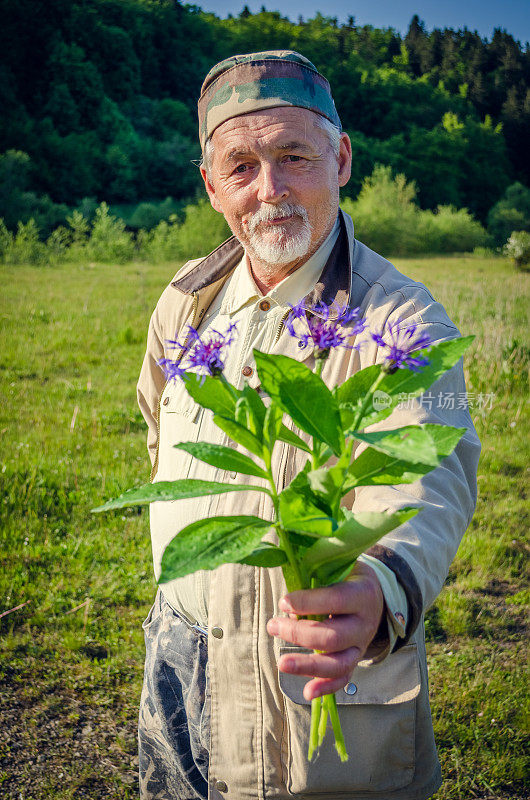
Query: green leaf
x=441 y=356
x=212 y=393
x=173 y=490
x=351 y=393
x=265 y=555
x=445 y=438
x=302 y=511
x=376 y=468
x=328 y=482
x=222 y=457
x=302 y=395
x=300 y=521
x=356 y=534
x=300 y=541
x=242 y=413
x=373 y=468
x=322 y=454
x=348 y=415
x=271 y=425
x=209 y=543
x=239 y=434
x=413 y=443
x=286 y=435
x=256 y=409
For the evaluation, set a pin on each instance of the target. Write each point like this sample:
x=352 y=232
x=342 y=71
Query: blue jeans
x=174 y=721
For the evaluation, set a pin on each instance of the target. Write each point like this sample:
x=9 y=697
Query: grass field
x=72 y=339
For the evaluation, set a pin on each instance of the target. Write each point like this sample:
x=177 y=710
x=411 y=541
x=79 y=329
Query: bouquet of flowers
x=318 y=539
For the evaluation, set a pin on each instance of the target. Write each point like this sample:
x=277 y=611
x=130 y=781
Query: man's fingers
x=330 y=635
x=340 y=598
x=323 y=665
x=321 y=686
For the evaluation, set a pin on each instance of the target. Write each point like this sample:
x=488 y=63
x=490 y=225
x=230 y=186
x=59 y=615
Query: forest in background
x=99 y=97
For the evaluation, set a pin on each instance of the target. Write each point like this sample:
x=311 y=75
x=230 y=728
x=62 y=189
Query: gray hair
x=207 y=157
x=333 y=133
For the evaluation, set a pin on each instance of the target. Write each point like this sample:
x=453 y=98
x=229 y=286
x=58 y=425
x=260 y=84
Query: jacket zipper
x=181 y=353
x=282 y=321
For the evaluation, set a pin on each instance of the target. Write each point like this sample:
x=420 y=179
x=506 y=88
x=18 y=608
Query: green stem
x=315 y=449
x=283 y=536
x=323 y=724
x=330 y=703
x=368 y=398
x=300 y=575
x=316 y=707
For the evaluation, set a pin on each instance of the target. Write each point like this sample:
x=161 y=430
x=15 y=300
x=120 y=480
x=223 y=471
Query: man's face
x=276 y=179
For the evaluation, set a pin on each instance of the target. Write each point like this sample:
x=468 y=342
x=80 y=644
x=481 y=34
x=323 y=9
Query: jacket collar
x=334 y=285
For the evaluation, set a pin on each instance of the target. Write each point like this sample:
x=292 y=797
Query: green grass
x=72 y=344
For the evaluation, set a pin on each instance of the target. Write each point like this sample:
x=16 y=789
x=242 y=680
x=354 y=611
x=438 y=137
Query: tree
x=510 y=213
x=416 y=42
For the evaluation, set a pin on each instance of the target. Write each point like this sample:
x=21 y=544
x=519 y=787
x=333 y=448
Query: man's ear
x=344 y=159
x=211 y=191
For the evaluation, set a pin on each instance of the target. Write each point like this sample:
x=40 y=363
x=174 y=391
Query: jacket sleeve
x=151 y=382
x=420 y=552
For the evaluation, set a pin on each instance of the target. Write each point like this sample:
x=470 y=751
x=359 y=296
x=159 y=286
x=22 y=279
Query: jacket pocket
x=179 y=422
x=378 y=722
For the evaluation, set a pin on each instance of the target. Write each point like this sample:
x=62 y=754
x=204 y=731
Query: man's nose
x=272 y=187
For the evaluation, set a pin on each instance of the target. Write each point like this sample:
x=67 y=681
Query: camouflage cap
x=252 y=82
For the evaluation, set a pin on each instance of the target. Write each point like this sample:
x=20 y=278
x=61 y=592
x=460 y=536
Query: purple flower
x=203 y=354
x=403 y=343
x=172 y=369
x=328 y=326
x=208 y=355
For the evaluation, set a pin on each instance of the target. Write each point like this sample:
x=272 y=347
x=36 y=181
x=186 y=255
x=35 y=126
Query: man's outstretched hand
x=357 y=608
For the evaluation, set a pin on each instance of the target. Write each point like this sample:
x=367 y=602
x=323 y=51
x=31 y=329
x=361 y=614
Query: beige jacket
x=259 y=718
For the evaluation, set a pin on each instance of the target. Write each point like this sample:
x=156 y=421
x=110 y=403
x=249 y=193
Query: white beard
x=287 y=247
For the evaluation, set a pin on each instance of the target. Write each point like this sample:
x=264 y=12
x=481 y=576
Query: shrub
x=78 y=233
x=518 y=248
x=87 y=207
x=511 y=213
x=485 y=252
x=6 y=240
x=25 y=246
x=202 y=230
x=148 y=215
x=388 y=220
x=80 y=228
x=109 y=241
x=450 y=230
x=384 y=214
x=58 y=244
x=161 y=243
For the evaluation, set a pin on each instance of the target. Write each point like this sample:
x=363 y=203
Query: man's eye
x=241 y=168
x=293 y=159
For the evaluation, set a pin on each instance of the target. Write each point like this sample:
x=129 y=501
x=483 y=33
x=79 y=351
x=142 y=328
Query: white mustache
x=267 y=213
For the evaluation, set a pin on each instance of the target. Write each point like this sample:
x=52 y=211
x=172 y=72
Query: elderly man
x=225 y=707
